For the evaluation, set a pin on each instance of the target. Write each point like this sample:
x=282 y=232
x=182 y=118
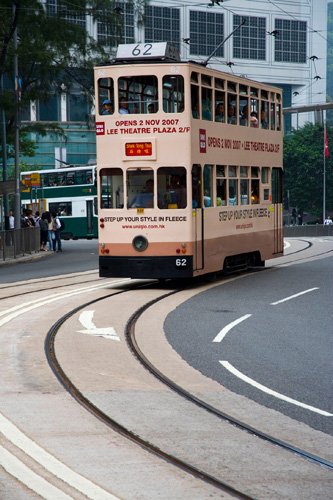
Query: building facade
x=280 y=42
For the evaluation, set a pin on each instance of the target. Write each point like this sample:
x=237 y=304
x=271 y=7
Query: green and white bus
x=70 y=192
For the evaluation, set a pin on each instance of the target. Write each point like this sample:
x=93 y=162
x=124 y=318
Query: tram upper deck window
x=106 y=96
x=112 y=188
x=206 y=103
x=173 y=93
x=195 y=101
x=136 y=93
x=140 y=188
x=232 y=109
x=171 y=187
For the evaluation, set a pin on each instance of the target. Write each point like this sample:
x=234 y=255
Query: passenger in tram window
x=263 y=120
x=254 y=120
x=206 y=112
x=176 y=195
x=145 y=199
x=219 y=112
x=232 y=115
x=123 y=106
x=244 y=119
x=107 y=107
x=195 y=112
x=151 y=108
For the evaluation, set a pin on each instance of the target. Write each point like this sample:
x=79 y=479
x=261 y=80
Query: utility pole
x=4 y=158
x=17 y=204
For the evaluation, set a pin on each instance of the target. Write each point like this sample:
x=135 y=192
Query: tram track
x=134 y=437
x=112 y=423
x=131 y=339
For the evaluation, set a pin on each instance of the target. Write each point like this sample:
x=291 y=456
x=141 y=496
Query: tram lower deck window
x=112 y=190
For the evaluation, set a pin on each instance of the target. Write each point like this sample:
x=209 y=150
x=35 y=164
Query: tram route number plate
x=181 y=262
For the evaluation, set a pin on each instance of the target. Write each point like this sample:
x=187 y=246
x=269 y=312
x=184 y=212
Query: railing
x=19 y=242
x=308 y=230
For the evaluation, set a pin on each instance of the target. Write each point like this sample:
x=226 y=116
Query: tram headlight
x=140 y=243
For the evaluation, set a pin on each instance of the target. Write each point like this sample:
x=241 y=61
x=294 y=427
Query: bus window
x=63 y=208
x=244 y=185
x=105 y=96
x=195 y=101
x=135 y=93
x=140 y=188
x=173 y=93
x=171 y=187
x=206 y=103
x=111 y=182
x=196 y=186
x=221 y=186
x=208 y=185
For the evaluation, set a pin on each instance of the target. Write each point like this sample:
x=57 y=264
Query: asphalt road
x=77 y=256
x=286 y=347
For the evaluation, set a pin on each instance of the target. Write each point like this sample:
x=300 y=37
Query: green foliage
x=51 y=50
x=303 y=160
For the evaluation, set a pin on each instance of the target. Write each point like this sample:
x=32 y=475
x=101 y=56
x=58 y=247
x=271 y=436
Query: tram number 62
x=181 y=262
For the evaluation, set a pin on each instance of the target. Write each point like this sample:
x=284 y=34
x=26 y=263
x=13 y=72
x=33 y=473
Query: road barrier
x=16 y=243
x=308 y=230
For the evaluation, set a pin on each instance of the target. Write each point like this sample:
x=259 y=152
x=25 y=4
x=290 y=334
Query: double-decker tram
x=189 y=167
x=71 y=192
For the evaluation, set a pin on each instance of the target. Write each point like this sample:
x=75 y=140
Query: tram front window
x=171 y=186
x=112 y=191
x=140 y=188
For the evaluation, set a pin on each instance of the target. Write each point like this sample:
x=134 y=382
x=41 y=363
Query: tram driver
x=145 y=199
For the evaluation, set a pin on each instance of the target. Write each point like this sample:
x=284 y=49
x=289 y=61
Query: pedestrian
x=50 y=230
x=44 y=231
x=328 y=221
x=37 y=219
x=293 y=217
x=300 y=217
x=11 y=220
x=56 y=240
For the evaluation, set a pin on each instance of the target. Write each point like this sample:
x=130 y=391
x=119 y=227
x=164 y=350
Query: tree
x=54 y=49
x=303 y=160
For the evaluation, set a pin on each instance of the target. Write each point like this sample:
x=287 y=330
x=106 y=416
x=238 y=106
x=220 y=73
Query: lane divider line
x=220 y=336
x=228 y=366
x=294 y=296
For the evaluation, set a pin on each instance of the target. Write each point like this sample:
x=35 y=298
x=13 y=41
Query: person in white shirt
x=11 y=220
x=123 y=106
x=328 y=221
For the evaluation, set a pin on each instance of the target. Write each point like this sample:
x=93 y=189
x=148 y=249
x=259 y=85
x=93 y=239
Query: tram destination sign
x=142 y=51
x=138 y=148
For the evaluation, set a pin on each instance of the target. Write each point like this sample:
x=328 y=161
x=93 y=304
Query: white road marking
x=20 y=471
x=51 y=464
x=265 y=389
x=286 y=244
x=294 y=296
x=86 y=320
x=220 y=336
x=15 y=436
